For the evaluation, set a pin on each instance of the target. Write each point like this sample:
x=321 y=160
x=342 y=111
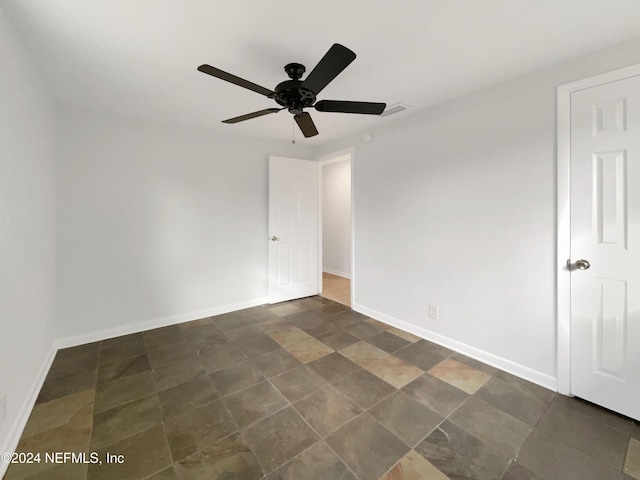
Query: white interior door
x=605 y=233
x=293 y=229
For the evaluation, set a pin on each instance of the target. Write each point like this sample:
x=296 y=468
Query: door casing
x=563 y=249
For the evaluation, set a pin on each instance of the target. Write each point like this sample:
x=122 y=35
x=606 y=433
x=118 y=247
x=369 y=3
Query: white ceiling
x=139 y=57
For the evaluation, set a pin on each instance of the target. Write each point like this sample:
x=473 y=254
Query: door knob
x=580 y=264
x=583 y=265
x=275 y=239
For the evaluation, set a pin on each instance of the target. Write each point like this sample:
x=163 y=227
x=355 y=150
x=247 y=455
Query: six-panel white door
x=605 y=232
x=293 y=229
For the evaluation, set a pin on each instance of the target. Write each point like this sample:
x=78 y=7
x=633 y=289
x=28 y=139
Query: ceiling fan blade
x=249 y=116
x=306 y=124
x=329 y=67
x=241 y=82
x=342 y=106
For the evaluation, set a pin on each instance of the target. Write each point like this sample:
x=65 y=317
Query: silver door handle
x=580 y=264
x=274 y=239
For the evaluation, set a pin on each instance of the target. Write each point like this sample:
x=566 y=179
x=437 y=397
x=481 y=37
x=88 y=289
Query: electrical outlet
x=3 y=408
x=433 y=311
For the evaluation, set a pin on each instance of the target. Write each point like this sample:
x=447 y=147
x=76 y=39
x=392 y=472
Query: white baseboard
x=336 y=272
x=13 y=438
x=535 y=376
x=75 y=340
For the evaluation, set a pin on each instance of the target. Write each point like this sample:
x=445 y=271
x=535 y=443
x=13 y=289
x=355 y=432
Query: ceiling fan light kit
x=295 y=94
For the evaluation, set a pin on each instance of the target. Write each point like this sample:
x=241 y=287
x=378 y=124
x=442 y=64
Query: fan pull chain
x=293 y=131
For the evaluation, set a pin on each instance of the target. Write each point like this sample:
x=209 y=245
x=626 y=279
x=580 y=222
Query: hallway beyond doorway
x=336 y=288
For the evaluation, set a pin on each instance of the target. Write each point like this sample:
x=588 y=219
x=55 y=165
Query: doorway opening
x=336 y=227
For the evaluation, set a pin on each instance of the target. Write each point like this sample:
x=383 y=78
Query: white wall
x=157 y=223
x=27 y=233
x=336 y=217
x=455 y=206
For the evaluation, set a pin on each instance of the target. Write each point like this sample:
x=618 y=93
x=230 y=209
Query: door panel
x=293 y=229
x=605 y=231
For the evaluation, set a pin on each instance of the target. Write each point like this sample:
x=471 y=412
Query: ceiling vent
x=393 y=109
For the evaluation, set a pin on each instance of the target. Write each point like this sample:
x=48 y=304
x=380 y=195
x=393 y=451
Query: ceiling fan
x=296 y=95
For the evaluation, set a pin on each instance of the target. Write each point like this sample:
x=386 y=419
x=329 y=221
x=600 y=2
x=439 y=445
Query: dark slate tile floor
x=308 y=390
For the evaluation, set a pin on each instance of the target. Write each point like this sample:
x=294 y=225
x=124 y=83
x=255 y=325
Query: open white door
x=293 y=229
x=605 y=245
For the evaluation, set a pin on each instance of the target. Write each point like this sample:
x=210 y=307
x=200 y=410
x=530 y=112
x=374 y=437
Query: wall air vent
x=395 y=108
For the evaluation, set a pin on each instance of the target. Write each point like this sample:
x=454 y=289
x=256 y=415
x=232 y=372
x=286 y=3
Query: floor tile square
x=550 y=459
x=408 y=419
x=333 y=367
x=85 y=363
x=596 y=413
x=364 y=389
x=414 y=466
x=473 y=363
x=125 y=420
x=459 y=454
x=276 y=362
x=309 y=351
x=175 y=339
x=63 y=385
x=60 y=412
x=337 y=339
x=459 y=375
x=276 y=439
x=166 y=474
x=402 y=334
x=346 y=318
x=220 y=356
x=283 y=309
x=362 y=352
x=596 y=440
x=420 y=356
x=290 y=336
x=326 y=410
x=168 y=354
x=176 y=373
x=198 y=428
x=328 y=310
x=392 y=370
x=515 y=399
x=298 y=383
x=227 y=459
x=145 y=453
x=131 y=340
x=236 y=378
x=67 y=471
x=196 y=323
x=311 y=324
x=258 y=346
x=318 y=462
x=123 y=367
x=518 y=472
x=188 y=395
x=123 y=390
x=435 y=394
x=632 y=462
x=500 y=430
x=362 y=330
x=388 y=342
x=254 y=403
x=367 y=447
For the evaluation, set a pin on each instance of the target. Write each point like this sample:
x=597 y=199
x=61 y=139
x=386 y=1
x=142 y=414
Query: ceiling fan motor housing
x=291 y=94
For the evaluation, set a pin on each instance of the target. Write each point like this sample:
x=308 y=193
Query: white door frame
x=563 y=278
x=322 y=161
